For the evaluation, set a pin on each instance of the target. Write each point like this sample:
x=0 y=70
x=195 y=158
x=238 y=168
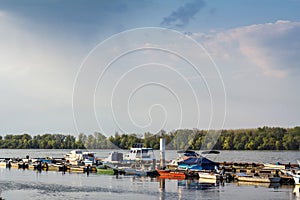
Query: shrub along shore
x=263 y=138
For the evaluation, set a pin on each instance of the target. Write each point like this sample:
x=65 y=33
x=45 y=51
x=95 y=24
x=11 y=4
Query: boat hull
x=171 y=174
x=204 y=175
x=259 y=179
x=297 y=180
x=107 y=171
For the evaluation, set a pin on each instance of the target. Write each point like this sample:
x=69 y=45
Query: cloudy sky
x=53 y=56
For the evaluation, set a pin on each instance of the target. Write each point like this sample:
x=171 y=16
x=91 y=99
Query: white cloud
x=273 y=47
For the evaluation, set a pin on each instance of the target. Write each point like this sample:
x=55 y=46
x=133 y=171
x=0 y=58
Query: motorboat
x=77 y=157
x=139 y=153
x=274 y=166
x=209 y=175
x=191 y=160
x=171 y=174
x=295 y=173
x=257 y=178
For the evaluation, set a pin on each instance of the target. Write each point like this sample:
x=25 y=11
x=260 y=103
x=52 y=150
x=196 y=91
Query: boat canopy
x=189 y=153
x=201 y=161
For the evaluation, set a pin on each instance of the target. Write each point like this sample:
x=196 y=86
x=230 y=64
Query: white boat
x=293 y=173
x=77 y=157
x=297 y=180
x=114 y=157
x=258 y=179
x=274 y=166
x=135 y=172
x=209 y=175
x=296 y=177
x=139 y=153
x=209 y=181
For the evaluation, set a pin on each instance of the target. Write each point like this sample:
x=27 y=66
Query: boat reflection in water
x=198 y=184
x=187 y=189
x=296 y=191
x=257 y=184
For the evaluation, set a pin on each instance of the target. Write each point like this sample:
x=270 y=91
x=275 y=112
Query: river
x=27 y=184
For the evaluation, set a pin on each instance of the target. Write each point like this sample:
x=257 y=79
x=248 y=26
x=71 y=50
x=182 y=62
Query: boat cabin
x=139 y=153
x=76 y=157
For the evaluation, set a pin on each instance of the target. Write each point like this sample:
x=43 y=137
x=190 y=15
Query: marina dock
x=230 y=170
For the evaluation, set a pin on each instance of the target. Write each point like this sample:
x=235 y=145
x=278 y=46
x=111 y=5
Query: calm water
x=27 y=184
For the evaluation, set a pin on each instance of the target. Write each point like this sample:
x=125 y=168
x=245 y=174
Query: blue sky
x=254 y=44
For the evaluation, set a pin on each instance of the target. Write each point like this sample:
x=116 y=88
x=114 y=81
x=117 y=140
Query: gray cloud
x=182 y=16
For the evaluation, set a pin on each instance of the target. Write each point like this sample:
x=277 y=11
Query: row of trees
x=265 y=138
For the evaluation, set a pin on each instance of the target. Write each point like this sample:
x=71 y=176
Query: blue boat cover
x=200 y=163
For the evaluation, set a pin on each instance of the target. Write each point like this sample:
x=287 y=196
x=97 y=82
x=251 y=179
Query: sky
x=137 y=66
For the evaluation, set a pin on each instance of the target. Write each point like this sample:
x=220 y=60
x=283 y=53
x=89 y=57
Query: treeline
x=265 y=138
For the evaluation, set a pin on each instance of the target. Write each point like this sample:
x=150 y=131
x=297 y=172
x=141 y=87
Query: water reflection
x=296 y=191
x=257 y=184
x=198 y=184
x=162 y=186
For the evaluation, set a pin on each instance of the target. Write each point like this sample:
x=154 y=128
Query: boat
x=77 y=157
x=297 y=180
x=103 y=169
x=274 y=166
x=79 y=169
x=171 y=174
x=182 y=156
x=139 y=153
x=209 y=175
x=293 y=173
x=134 y=172
x=258 y=179
x=209 y=181
x=114 y=157
x=4 y=163
x=197 y=164
x=137 y=169
x=296 y=177
x=192 y=161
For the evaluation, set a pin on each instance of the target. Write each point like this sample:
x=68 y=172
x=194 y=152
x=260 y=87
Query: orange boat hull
x=171 y=174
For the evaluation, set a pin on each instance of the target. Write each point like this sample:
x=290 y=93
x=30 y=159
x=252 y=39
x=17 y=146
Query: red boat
x=171 y=174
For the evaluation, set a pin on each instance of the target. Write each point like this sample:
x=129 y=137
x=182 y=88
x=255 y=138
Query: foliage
x=263 y=138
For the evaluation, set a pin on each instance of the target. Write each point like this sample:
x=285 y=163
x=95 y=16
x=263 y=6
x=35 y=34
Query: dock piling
x=162 y=153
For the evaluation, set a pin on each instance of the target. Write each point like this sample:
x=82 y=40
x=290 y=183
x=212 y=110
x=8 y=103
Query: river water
x=28 y=184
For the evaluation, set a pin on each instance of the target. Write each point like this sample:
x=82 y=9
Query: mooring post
x=162 y=153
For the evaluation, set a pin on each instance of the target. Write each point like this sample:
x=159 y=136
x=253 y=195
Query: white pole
x=162 y=153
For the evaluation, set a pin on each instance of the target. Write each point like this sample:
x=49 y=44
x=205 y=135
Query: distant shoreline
x=265 y=138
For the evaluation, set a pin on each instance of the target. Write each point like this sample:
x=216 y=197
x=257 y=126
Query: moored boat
x=137 y=153
x=107 y=171
x=77 y=157
x=293 y=173
x=79 y=169
x=171 y=174
x=258 y=179
x=296 y=177
x=209 y=175
x=297 y=180
x=274 y=166
x=4 y=163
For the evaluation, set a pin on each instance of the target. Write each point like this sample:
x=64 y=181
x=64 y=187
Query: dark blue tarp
x=201 y=160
